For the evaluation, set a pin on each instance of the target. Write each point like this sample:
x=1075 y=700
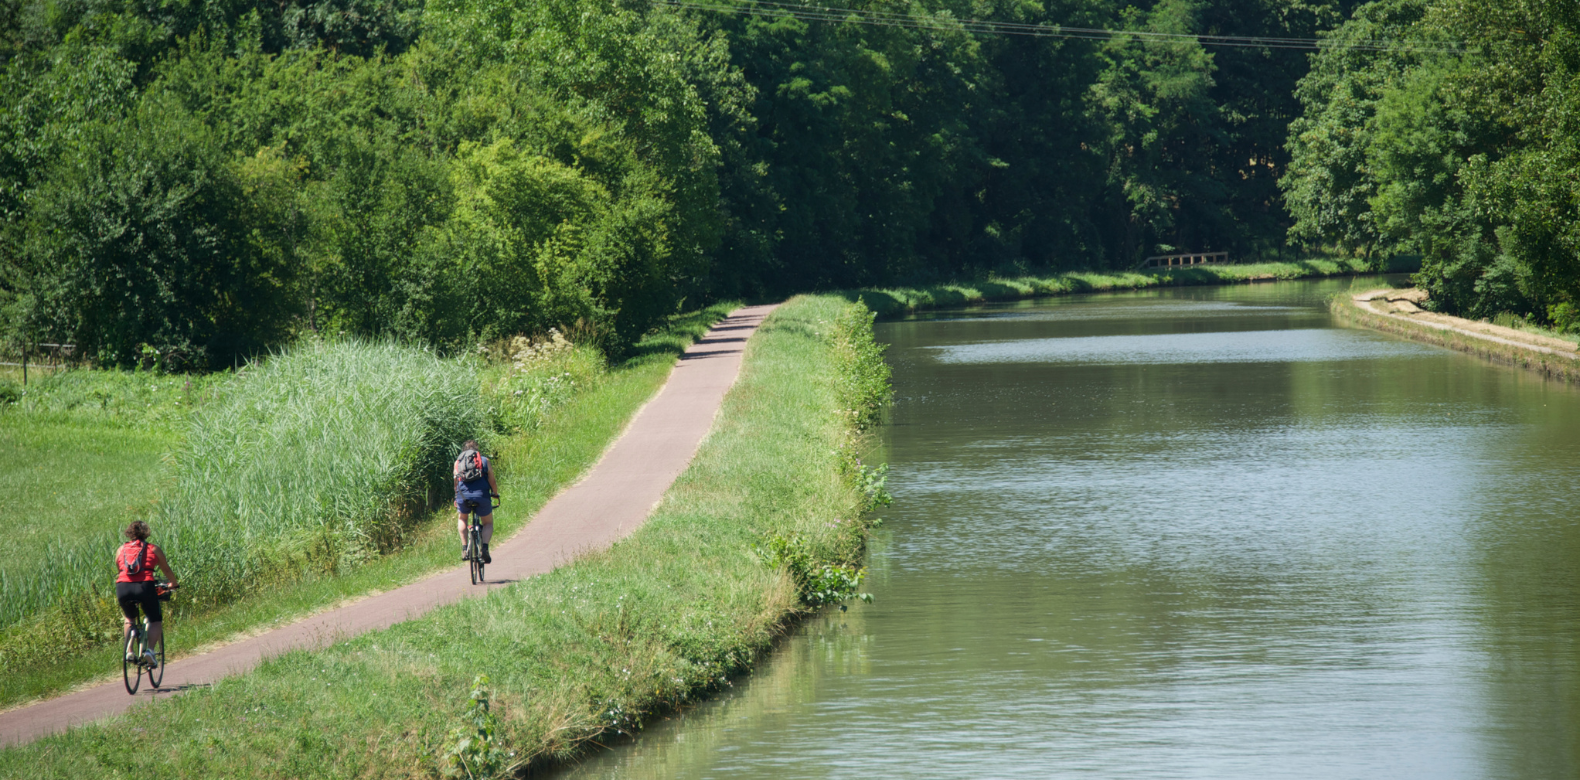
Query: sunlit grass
x=63 y=479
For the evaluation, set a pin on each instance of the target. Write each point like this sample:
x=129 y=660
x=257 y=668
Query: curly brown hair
x=137 y=531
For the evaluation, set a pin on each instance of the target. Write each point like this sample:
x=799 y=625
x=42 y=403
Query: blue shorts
x=485 y=507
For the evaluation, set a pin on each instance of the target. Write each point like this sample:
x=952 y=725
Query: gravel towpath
x=610 y=502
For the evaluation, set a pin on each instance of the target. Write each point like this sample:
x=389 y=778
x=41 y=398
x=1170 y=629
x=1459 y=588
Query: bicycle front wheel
x=156 y=675
x=131 y=670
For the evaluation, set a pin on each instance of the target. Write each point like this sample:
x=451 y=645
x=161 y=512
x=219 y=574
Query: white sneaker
x=150 y=660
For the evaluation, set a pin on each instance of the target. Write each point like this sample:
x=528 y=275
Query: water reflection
x=1266 y=346
x=1349 y=557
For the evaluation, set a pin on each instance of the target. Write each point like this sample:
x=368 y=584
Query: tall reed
x=320 y=458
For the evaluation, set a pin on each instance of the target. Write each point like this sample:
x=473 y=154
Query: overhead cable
x=816 y=13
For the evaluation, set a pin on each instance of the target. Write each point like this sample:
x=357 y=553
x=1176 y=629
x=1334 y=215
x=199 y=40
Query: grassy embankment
x=311 y=480
x=893 y=301
x=1548 y=364
x=589 y=649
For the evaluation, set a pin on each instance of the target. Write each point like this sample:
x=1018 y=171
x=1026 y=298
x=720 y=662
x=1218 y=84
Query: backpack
x=471 y=463
x=131 y=564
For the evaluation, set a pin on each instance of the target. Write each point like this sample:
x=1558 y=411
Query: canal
x=1190 y=533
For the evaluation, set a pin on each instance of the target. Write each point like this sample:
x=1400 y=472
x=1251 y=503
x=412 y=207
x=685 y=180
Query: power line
x=814 y=13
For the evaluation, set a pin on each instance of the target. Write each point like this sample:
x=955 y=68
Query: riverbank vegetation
x=587 y=650
x=887 y=301
x=260 y=520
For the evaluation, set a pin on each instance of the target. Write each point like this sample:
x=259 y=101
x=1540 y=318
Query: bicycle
x=134 y=658
x=474 y=536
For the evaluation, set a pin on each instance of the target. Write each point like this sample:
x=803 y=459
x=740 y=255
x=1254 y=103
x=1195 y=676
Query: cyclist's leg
x=486 y=531
x=126 y=595
x=156 y=615
x=460 y=523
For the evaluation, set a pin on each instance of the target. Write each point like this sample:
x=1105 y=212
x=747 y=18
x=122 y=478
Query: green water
x=1197 y=533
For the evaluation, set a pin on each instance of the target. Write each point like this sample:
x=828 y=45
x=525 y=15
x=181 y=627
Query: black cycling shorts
x=132 y=594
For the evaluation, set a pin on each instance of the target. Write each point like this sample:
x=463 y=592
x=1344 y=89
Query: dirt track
x=1401 y=305
x=610 y=502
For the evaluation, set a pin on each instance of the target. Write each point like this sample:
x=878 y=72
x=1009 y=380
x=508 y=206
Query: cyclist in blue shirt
x=474 y=481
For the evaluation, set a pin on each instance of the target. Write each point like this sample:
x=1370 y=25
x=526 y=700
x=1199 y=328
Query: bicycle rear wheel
x=131 y=671
x=477 y=556
x=156 y=675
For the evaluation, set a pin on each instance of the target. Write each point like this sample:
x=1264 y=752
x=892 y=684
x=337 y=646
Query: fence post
x=24 y=364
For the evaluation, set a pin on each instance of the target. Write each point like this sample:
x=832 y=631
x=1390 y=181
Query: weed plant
x=106 y=398
x=529 y=378
x=587 y=650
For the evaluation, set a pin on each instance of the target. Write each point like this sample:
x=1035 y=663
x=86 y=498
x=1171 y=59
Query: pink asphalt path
x=610 y=502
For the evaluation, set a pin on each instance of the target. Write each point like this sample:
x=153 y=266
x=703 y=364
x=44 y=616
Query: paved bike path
x=610 y=502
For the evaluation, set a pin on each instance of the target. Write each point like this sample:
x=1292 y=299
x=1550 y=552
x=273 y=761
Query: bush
x=143 y=236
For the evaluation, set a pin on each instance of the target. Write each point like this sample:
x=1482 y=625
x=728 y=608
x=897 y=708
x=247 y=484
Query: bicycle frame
x=474 y=537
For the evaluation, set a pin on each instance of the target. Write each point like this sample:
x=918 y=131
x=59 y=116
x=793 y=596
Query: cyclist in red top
x=134 y=583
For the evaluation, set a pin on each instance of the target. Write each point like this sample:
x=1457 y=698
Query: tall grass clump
x=317 y=459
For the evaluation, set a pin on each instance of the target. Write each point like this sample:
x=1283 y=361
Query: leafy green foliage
x=473 y=752
x=1465 y=159
x=819 y=583
x=461 y=171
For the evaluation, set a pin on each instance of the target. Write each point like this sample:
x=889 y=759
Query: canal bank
x=896 y=301
x=1398 y=312
x=770 y=509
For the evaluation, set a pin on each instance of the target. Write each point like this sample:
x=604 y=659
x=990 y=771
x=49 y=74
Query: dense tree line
x=1462 y=147
x=211 y=178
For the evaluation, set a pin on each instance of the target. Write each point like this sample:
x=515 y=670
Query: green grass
x=313 y=459
x=63 y=479
x=891 y=301
x=82 y=453
x=1517 y=322
x=564 y=439
x=659 y=619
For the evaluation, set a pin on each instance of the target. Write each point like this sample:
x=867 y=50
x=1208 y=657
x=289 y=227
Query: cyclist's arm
x=492 y=484
x=164 y=565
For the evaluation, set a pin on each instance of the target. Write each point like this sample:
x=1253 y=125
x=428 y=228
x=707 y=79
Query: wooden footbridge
x=1188 y=258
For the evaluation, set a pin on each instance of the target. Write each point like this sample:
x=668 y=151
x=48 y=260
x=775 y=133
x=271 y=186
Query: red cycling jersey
x=128 y=554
